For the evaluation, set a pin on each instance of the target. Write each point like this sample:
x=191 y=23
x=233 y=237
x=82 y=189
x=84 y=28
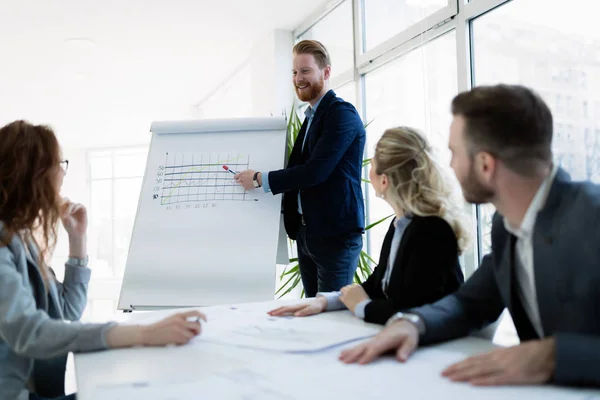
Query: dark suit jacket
x=327 y=173
x=566 y=259
x=426 y=269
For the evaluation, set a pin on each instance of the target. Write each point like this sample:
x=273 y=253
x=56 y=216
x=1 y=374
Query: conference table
x=246 y=355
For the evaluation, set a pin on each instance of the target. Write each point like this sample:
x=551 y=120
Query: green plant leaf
x=294 y=276
x=292 y=286
x=362 y=260
x=363 y=270
x=378 y=222
x=369 y=123
x=366 y=260
x=370 y=259
x=295 y=268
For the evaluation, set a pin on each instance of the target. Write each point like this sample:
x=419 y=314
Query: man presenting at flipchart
x=323 y=205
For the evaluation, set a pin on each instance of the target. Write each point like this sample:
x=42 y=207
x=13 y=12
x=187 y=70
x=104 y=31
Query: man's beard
x=475 y=192
x=314 y=89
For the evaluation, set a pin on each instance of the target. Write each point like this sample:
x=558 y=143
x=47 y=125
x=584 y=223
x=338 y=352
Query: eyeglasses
x=64 y=164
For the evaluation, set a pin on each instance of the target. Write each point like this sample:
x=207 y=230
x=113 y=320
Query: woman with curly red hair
x=34 y=337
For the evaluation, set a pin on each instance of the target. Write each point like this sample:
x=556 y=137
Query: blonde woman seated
x=34 y=337
x=419 y=261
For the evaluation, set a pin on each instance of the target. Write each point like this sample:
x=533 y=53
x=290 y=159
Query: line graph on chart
x=200 y=177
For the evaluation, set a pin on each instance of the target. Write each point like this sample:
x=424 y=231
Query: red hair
x=29 y=196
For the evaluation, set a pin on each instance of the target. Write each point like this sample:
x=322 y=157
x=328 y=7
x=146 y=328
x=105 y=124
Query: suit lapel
x=35 y=277
x=323 y=106
x=297 y=149
x=385 y=251
x=545 y=235
x=19 y=245
x=49 y=289
x=30 y=252
x=546 y=275
x=398 y=270
x=504 y=272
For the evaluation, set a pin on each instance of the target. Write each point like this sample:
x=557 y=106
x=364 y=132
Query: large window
x=385 y=18
x=556 y=53
x=414 y=90
x=347 y=92
x=115 y=182
x=335 y=32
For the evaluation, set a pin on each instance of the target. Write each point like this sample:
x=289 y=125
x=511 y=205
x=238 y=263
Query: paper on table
x=288 y=334
x=322 y=376
x=419 y=378
x=254 y=328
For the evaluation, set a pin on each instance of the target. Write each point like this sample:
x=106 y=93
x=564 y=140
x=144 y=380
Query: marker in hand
x=226 y=168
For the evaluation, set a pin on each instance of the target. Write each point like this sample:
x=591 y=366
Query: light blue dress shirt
x=309 y=114
x=333 y=298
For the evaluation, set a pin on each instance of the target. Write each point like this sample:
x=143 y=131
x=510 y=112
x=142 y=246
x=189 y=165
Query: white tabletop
x=216 y=371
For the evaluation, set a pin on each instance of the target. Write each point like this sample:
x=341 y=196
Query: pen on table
x=226 y=168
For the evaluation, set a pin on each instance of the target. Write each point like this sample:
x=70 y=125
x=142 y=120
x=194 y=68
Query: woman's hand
x=352 y=295
x=74 y=218
x=75 y=221
x=177 y=329
x=312 y=307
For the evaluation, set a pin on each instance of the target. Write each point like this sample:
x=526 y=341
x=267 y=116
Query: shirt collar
x=400 y=222
x=311 y=110
x=536 y=205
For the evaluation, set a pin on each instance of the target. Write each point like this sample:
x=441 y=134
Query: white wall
x=260 y=86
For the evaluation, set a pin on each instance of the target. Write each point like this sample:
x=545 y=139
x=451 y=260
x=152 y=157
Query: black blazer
x=426 y=269
x=327 y=173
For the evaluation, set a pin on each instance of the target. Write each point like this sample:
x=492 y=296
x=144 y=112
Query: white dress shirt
x=524 y=263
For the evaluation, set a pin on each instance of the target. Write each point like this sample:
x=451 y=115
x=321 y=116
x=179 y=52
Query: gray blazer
x=33 y=335
x=566 y=247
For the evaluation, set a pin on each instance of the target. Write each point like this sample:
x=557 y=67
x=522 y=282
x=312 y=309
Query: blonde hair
x=315 y=48
x=417 y=183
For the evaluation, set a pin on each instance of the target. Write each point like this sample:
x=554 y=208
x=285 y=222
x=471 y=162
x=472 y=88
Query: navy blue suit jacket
x=327 y=173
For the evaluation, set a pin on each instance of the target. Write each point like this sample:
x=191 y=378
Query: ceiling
x=100 y=71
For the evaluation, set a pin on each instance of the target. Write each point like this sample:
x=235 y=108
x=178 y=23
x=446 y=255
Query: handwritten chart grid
x=196 y=177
